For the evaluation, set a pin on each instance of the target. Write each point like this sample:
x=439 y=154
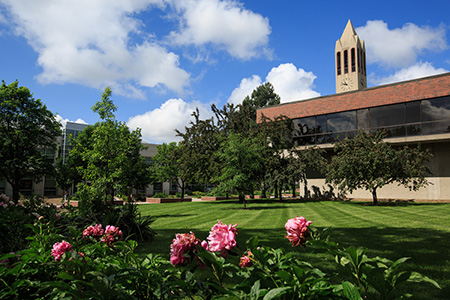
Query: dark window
x=50 y=187
x=359 y=60
x=362 y=118
x=343 y=121
x=346 y=61
x=305 y=140
x=353 y=60
x=413 y=112
x=387 y=115
x=157 y=187
x=436 y=127
x=2 y=185
x=414 y=129
x=26 y=187
x=305 y=126
x=436 y=109
x=363 y=66
x=321 y=124
x=397 y=120
x=338 y=63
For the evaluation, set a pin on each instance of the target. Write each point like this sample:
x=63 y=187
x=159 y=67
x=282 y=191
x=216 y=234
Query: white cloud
x=159 y=125
x=89 y=42
x=415 y=71
x=244 y=89
x=226 y=24
x=292 y=84
x=64 y=121
x=399 y=47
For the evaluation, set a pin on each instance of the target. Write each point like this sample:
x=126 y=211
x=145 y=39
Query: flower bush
x=183 y=247
x=222 y=238
x=59 y=249
x=96 y=264
x=297 y=231
x=95 y=231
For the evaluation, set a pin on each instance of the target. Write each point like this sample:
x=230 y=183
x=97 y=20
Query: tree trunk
x=263 y=190
x=16 y=196
x=182 y=191
x=280 y=191
x=374 y=196
x=242 y=199
x=275 y=190
x=306 y=189
x=294 y=187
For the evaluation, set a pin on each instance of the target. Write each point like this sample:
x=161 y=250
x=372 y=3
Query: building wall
x=438 y=190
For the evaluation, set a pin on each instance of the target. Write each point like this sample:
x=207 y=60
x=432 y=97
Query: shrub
x=197 y=194
x=14 y=217
x=160 y=195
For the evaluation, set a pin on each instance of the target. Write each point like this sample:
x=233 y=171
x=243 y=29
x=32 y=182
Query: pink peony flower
x=204 y=244
x=246 y=261
x=94 y=231
x=222 y=238
x=112 y=234
x=297 y=231
x=59 y=249
x=182 y=248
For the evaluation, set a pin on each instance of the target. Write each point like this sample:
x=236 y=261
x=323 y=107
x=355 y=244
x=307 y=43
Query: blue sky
x=164 y=58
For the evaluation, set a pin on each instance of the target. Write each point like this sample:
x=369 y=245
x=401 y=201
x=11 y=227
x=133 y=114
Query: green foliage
x=15 y=217
x=240 y=157
x=381 y=274
x=172 y=163
x=365 y=161
x=107 y=155
x=106 y=107
x=92 y=269
x=200 y=141
x=264 y=95
x=27 y=129
x=160 y=195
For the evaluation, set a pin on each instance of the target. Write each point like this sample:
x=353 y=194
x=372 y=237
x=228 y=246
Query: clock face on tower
x=346 y=84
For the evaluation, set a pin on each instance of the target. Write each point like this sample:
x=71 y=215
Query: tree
x=108 y=153
x=27 y=130
x=171 y=163
x=366 y=161
x=264 y=95
x=240 y=160
x=200 y=142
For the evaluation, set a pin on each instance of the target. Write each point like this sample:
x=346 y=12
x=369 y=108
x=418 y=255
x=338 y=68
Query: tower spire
x=350 y=67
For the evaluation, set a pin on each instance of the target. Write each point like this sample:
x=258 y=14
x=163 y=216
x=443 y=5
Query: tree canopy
x=367 y=162
x=173 y=163
x=27 y=130
x=107 y=154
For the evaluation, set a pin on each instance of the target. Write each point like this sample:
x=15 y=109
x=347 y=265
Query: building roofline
x=398 y=92
x=352 y=92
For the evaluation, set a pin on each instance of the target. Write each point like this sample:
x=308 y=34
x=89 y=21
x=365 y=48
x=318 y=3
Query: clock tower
x=350 y=67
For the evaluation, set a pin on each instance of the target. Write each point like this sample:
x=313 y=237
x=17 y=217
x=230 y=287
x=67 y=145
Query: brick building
x=410 y=112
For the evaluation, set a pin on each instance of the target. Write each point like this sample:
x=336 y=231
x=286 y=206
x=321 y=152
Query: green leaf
x=275 y=293
x=255 y=290
x=351 y=291
x=286 y=276
x=417 y=277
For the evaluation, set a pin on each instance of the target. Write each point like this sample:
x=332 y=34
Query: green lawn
x=419 y=231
